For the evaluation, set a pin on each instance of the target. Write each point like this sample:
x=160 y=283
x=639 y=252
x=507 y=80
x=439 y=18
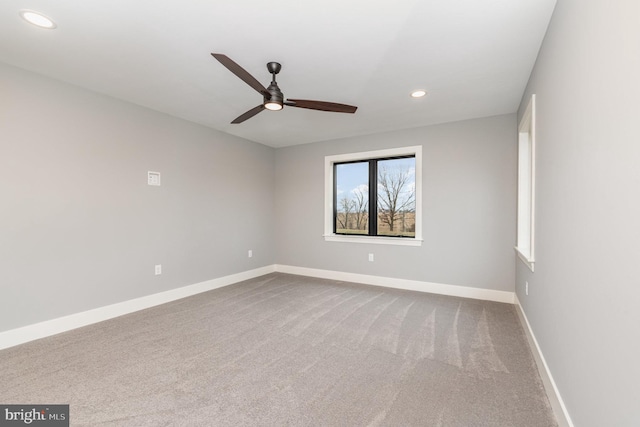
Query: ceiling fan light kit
x=273 y=98
x=272 y=105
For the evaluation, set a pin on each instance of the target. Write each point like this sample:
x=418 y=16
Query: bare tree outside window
x=396 y=198
x=345 y=208
x=393 y=211
x=361 y=206
x=352 y=205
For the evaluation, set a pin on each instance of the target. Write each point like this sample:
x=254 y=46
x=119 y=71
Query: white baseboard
x=47 y=328
x=555 y=399
x=412 y=285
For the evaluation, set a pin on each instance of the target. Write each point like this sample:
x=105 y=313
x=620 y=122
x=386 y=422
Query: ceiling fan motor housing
x=275 y=94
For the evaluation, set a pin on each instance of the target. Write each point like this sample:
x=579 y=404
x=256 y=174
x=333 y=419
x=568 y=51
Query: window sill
x=529 y=262
x=398 y=241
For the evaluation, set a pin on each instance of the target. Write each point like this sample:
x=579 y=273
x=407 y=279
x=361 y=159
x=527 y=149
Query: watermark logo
x=34 y=415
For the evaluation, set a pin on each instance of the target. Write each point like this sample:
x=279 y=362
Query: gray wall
x=79 y=226
x=469 y=190
x=584 y=296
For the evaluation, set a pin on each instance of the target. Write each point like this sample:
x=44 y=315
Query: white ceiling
x=474 y=58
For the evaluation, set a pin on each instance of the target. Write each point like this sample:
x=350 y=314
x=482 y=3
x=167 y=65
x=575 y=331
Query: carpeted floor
x=290 y=350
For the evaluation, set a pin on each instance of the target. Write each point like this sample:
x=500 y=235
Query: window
x=374 y=197
x=526 y=185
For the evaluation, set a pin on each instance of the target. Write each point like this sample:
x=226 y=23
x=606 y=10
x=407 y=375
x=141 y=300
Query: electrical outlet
x=158 y=269
x=526 y=288
x=250 y=253
x=370 y=257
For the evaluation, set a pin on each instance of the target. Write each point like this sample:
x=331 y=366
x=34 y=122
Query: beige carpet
x=290 y=350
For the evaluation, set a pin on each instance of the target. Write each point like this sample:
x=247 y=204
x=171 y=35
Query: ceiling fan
x=273 y=99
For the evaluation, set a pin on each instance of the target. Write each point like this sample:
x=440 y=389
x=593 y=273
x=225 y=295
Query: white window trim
x=330 y=236
x=525 y=245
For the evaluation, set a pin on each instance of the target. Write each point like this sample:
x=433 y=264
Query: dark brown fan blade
x=321 y=105
x=248 y=114
x=240 y=72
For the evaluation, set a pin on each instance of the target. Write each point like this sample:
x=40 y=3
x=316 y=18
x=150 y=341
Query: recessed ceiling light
x=418 y=94
x=37 y=19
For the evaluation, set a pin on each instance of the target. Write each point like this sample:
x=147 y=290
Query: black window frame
x=373 y=196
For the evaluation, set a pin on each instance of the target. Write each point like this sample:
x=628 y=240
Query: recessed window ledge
x=529 y=262
x=376 y=240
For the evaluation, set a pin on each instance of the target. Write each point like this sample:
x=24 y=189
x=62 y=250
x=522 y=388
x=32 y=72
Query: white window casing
x=330 y=236
x=525 y=244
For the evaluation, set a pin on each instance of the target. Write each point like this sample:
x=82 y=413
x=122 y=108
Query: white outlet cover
x=158 y=269
x=153 y=178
